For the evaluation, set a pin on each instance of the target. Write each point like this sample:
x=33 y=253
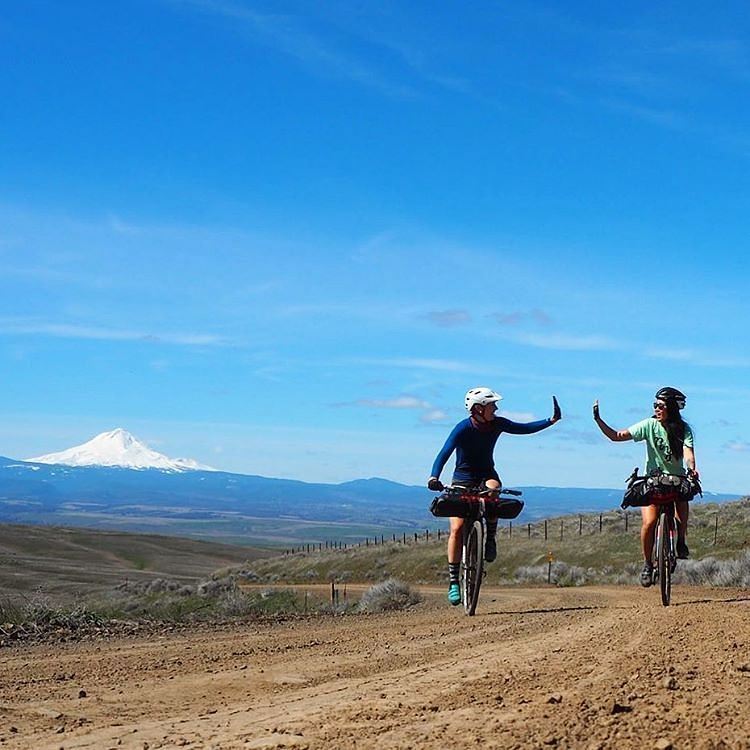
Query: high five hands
x=556 y=411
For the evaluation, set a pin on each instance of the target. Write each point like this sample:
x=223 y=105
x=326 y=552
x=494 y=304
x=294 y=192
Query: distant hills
x=194 y=502
x=115 y=481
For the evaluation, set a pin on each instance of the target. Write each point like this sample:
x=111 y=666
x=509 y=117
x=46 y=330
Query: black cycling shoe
x=682 y=550
x=647 y=575
x=490 y=549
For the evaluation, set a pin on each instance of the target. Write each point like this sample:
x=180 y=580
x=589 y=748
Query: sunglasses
x=658 y=405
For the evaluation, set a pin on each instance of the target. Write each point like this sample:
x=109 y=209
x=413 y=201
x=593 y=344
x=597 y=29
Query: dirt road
x=536 y=668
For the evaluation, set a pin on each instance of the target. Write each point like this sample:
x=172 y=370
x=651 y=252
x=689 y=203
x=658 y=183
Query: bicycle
x=662 y=490
x=475 y=505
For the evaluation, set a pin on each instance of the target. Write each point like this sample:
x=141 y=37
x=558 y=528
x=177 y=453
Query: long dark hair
x=675 y=427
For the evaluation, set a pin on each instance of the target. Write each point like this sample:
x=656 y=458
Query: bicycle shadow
x=729 y=600
x=549 y=610
x=594 y=607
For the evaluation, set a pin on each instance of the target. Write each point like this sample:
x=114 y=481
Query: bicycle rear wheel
x=663 y=558
x=473 y=565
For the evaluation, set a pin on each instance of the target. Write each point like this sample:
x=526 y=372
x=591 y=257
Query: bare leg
x=455 y=540
x=649 y=515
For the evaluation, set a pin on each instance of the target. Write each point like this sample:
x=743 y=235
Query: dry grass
x=580 y=553
x=66 y=564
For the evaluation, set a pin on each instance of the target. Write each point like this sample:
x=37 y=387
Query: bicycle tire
x=473 y=565
x=663 y=559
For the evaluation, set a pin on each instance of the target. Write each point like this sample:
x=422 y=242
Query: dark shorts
x=476 y=483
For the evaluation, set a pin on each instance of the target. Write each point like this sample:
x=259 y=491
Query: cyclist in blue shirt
x=474 y=440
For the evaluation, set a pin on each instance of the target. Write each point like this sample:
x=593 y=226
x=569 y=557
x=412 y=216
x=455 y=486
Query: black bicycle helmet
x=671 y=394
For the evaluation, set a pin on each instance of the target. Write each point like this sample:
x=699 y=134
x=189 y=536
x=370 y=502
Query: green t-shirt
x=658 y=453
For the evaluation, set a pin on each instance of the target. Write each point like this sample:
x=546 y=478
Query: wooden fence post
x=580 y=525
x=561 y=529
x=716 y=528
x=549 y=567
x=545 y=529
x=600 y=522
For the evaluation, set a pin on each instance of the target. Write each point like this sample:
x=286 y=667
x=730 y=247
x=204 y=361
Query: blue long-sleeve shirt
x=475 y=445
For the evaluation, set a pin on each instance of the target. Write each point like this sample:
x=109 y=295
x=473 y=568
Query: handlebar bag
x=444 y=507
x=450 y=507
x=647 y=491
x=504 y=508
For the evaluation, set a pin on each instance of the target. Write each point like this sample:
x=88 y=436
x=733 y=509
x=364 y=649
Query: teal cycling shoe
x=454 y=594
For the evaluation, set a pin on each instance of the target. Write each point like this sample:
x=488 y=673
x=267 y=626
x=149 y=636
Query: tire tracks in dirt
x=536 y=668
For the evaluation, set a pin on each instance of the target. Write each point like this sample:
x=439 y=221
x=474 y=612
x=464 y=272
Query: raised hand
x=556 y=411
x=596 y=409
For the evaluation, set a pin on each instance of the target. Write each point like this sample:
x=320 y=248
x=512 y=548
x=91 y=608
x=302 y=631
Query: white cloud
x=449 y=318
x=519 y=416
x=521 y=316
x=446 y=365
x=568 y=342
x=737 y=446
x=400 y=402
x=433 y=416
x=74 y=331
x=292 y=37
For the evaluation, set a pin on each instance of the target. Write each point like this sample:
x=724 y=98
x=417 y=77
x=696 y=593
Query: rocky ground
x=536 y=668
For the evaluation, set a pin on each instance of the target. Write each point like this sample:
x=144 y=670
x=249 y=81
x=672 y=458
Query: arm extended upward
x=617 y=436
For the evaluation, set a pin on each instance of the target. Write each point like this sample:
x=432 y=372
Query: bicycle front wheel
x=663 y=555
x=473 y=565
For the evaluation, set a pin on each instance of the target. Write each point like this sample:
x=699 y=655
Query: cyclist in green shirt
x=669 y=442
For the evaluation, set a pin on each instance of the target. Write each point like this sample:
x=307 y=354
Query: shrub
x=561 y=574
x=713 y=572
x=388 y=595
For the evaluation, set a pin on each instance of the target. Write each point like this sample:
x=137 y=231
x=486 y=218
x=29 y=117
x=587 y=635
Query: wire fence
x=545 y=529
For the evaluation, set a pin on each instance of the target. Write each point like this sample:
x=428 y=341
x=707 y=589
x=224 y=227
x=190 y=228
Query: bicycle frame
x=474 y=504
x=664 y=491
x=664 y=553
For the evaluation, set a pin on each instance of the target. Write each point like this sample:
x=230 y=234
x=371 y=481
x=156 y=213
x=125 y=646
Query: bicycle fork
x=671 y=529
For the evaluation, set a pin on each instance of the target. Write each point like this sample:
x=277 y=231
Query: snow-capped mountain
x=118 y=448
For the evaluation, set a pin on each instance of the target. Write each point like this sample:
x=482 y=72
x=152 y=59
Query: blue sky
x=284 y=238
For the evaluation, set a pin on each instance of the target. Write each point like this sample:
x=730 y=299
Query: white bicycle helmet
x=481 y=396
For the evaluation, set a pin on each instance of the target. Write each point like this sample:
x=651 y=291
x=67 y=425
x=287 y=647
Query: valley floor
x=536 y=668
